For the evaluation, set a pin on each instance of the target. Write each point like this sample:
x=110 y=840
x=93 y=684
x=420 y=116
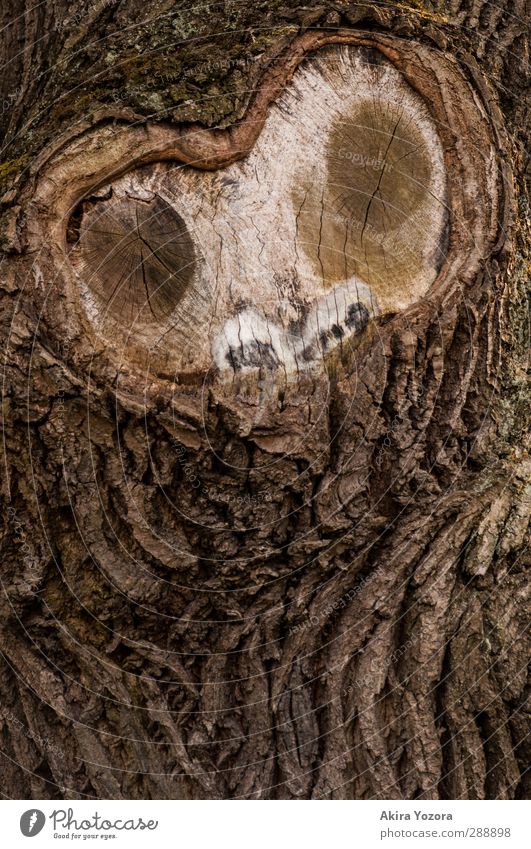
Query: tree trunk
x=290 y=565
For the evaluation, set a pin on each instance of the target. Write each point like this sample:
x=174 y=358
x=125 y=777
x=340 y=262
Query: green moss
x=10 y=169
x=424 y=10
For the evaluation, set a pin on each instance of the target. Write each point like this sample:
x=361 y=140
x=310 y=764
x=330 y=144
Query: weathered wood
x=291 y=567
x=137 y=256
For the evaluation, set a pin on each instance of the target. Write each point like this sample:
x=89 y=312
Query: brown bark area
x=338 y=609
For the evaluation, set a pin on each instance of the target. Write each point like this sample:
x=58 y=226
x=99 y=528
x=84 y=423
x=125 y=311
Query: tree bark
x=260 y=587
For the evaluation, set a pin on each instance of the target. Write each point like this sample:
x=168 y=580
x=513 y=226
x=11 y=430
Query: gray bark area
x=218 y=591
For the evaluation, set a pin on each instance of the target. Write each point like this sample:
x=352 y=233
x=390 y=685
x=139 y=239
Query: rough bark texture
x=228 y=590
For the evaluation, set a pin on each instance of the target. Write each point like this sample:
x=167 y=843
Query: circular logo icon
x=31 y=822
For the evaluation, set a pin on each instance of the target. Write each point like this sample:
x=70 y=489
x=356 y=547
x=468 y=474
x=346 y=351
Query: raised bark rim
x=478 y=198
